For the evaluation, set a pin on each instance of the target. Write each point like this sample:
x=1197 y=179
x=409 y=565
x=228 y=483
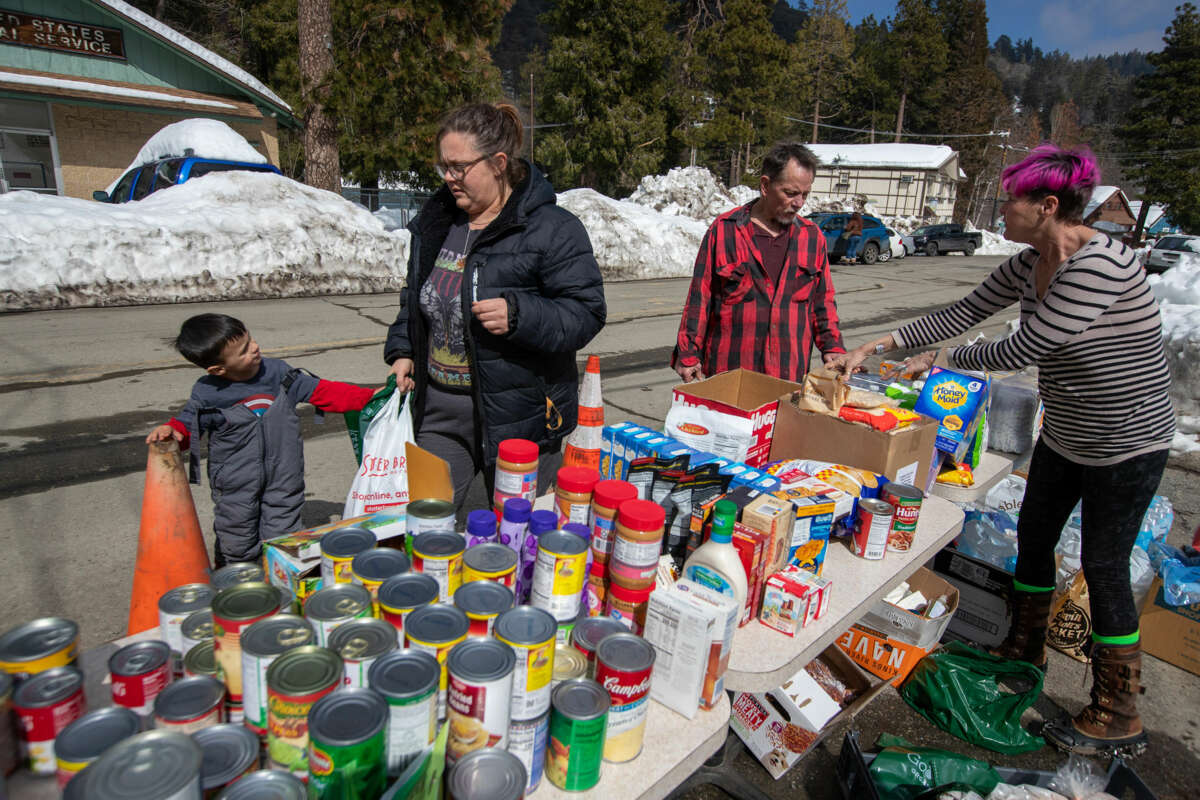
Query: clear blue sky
x=1078 y=27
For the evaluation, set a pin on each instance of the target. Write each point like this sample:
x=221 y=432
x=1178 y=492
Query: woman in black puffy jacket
x=502 y=290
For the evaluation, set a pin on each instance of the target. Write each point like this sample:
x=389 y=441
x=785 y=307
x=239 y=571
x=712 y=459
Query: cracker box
x=955 y=400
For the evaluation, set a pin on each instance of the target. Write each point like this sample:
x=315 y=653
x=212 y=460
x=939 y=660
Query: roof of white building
x=1099 y=196
x=904 y=156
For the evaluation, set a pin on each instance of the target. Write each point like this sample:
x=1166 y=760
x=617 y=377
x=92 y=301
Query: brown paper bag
x=1071 y=620
x=824 y=392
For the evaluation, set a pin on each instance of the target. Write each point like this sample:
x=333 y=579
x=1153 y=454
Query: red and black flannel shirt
x=734 y=317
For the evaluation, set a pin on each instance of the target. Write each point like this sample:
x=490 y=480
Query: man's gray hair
x=780 y=154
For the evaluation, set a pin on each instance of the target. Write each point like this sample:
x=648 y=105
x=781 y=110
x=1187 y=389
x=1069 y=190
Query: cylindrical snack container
x=335 y=605
x=230 y=753
x=233 y=610
x=408 y=681
x=173 y=608
x=623 y=666
x=262 y=643
x=266 y=784
x=338 y=549
x=527 y=741
x=240 y=572
x=606 y=499
x=347 y=744
x=578 y=727
x=400 y=595
x=488 y=774
x=478 y=696
x=202 y=660
x=568 y=663
x=296 y=680
x=139 y=671
x=196 y=627
x=481 y=527
x=559 y=574
x=435 y=630
x=371 y=568
x=39 y=645
x=638 y=544
x=872 y=525
x=189 y=704
x=573 y=494
x=516 y=472
x=530 y=632
x=86 y=739
x=490 y=561
x=628 y=606
x=906 y=501
x=589 y=633
x=439 y=555
x=45 y=704
x=155 y=765
x=360 y=642
x=425 y=516
x=482 y=602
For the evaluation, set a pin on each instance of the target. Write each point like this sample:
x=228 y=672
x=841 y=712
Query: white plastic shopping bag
x=380 y=433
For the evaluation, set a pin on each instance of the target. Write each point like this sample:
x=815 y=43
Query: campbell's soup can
x=905 y=500
x=478 y=696
x=202 y=660
x=139 y=672
x=491 y=773
x=527 y=741
x=189 y=704
x=371 y=568
x=233 y=610
x=558 y=574
x=360 y=642
x=231 y=752
x=872 y=525
x=173 y=608
x=296 y=680
x=401 y=594
x=439 y=555
x=36 y=646
x=408 y=681
x=238 y=572
x=333 y=606
x=624 y=662
x=262 y=643
x=435 y=630
x=531 y=633
x=490 y=561
x=46 y=704
x=347 y=745
x=338 y=549
x=483 y=602
x=163 y=765
x=197 y=627
x=578 y=727
x=588 y=634
x=86 y=739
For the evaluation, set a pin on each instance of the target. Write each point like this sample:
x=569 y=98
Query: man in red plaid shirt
x=761 y=294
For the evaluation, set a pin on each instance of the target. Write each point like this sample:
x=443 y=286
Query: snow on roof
x=1099 y=195
x=209 y=138
x=230 y=70
x=911 y=156
x=104 y=88
x=1152 y=216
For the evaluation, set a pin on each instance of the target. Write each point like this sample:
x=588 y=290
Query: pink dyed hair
x=1069 y=175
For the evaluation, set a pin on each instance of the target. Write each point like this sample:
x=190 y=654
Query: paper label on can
x=287 y=730
x=412 y=725
x=137 y=692
x=40 y=726
x=574 y=752
x=440 y=653
x=558 y=583
x=446 y=571
x=503 y=578
x=531 y=679
x=227 y=647
x=168 y=628
x=637 y=554
x=254 y=690
x=871 y=533
x=478 y=715
x=602 y=534
x=206 y=720
x=527 y=741
x=630 y=692
x=335 y=570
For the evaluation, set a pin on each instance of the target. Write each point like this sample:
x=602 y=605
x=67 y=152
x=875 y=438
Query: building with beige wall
x=918 y=180
x=84 y=84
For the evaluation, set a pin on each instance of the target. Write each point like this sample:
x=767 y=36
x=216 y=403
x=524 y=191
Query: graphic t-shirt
x=441 y=305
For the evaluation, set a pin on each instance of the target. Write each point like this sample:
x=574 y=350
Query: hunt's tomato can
x=624 y=662
x=906 y=500
x=139 y=672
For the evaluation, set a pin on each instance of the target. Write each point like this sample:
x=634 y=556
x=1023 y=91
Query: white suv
x=1168 y=250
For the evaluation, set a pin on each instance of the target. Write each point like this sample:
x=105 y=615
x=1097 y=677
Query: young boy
x=247 y=406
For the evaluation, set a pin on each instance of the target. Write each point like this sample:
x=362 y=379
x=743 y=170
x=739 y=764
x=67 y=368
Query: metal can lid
x=484 y=598
x=148 y=766
x=233 y=574
x=139 y=658
x=201 y=659
x=439 y=544
x=197 y=625
x=405 y=674
x=626 y=651
x=569 y=663
x=186 y=599
x=488 y=774
x=589 y=631
x=346 y=542
x=340 y=601
x=363 y=639
x=580 y=699
x=436 y=624
x=244 y=601
x=189 y=698
x=89 y=736
x=304 y=670
x=229 y=750
x=491 y=558
x=380 y=563
x=874 y=506
x=481 y=660
x=428 y=508
x=266 y=784
x=905 y=491
x=562 y=543
x=274 y=635
x=37 y=638
x=526 y=625
x=48 y=687
x=347 y=717
x=410 y=590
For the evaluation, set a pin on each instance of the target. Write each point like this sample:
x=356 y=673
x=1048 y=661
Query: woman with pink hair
x=1090 y=323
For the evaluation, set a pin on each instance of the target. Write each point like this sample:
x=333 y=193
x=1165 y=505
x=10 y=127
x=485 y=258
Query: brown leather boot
x=1110 y=725
x=1026 y=639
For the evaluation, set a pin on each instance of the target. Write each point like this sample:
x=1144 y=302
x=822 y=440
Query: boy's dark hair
x=778 y=157
x=202 y=338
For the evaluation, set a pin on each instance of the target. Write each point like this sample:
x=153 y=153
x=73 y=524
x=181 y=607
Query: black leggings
x=1115 y=498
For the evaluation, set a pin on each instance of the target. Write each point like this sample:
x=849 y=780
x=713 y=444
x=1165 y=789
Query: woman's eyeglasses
x=456 y=171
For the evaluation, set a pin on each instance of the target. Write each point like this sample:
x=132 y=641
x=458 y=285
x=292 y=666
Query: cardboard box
x=910 y=628
x=904 y=456
x=872 y=650
x=788 y=604
x=722 y=638
x=775 y=517
x=680 y=629
x=983 y=615
x=751 y=547
x=731 y=414
x=1171 y=633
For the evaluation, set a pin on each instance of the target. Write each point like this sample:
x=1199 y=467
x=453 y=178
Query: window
x=843 y=178
x=145 y=183
x=121 y=192
x=203 y=168
x=906 y=179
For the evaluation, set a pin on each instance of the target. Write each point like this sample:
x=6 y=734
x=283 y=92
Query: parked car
x=142 y=181
x=874 y=237
x=1168 y=250
x=897 y=249
x=936 y=240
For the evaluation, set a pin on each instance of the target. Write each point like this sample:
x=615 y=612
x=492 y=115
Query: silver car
x=1168 y=250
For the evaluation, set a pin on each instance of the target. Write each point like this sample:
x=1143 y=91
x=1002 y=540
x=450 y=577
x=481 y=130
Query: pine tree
x=1166 y=118
x=321 y=167
x=825 y=63
x=917 y=53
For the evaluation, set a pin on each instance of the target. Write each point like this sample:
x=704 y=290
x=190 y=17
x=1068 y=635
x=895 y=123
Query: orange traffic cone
x=171 y=548
x=582 y=447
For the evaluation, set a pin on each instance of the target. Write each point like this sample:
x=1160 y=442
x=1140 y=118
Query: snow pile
x=996 y=245
x=225 y=235
x=689 y=192
x=209 y=138
x=1178 y=292
x=633 y=241
x=1181 y=283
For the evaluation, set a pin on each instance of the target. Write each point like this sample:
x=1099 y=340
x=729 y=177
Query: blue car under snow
x=154 y=175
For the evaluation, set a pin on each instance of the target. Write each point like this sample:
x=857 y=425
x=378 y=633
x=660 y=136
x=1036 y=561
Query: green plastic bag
x=357 y=421
x=958 y=689
x=903 y=771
